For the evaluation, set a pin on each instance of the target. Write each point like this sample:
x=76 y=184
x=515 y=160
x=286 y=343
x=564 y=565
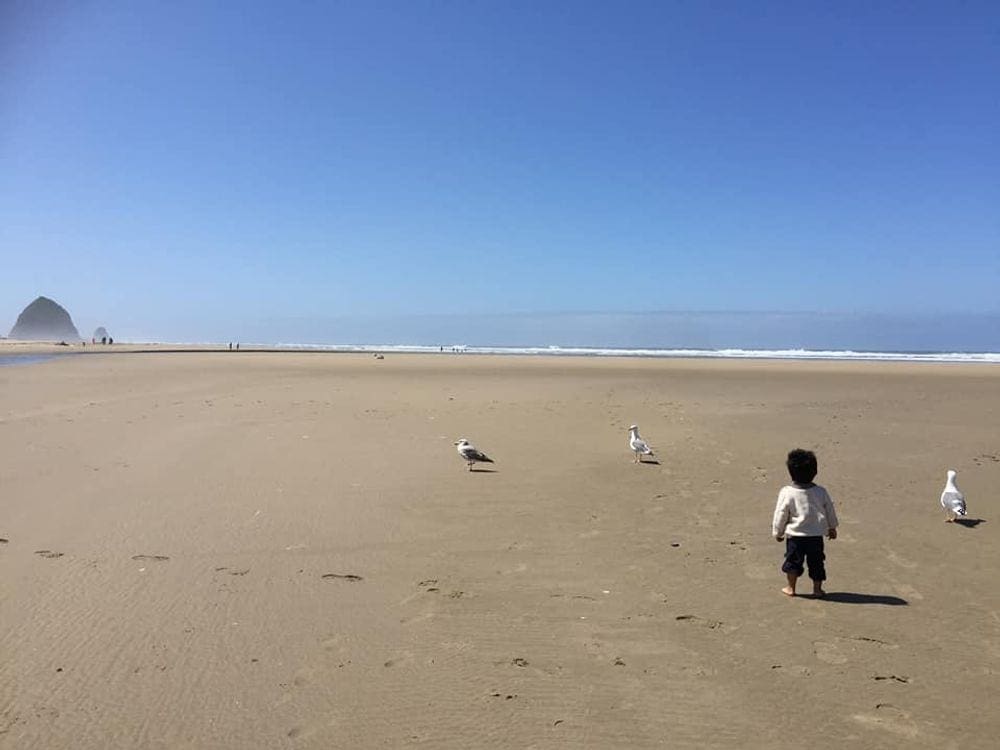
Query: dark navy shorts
x=808 y=549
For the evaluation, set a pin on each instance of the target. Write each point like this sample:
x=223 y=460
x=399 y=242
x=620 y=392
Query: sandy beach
x=262 y=550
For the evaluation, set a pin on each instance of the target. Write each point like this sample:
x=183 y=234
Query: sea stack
x=44 y=320
x=100 y=333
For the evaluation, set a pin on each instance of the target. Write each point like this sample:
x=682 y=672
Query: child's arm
x=831 y=517
x=780 y=520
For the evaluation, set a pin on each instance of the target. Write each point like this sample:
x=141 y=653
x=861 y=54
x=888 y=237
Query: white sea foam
x=568 y=351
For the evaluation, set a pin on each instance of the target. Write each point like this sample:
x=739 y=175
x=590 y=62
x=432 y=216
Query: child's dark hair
x=802 y=466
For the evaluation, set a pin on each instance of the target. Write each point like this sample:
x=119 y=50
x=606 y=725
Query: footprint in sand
x=891 y=677
x=48 y=553
x=151 y=558
x=704 y=622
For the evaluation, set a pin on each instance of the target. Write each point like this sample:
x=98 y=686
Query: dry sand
x=179 y=527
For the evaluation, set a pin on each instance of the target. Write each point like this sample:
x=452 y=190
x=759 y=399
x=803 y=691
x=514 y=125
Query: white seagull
x=470 y=453
x=637 y=444
x=952 y=499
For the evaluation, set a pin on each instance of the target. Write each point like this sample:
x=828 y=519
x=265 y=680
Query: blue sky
x=187 y=169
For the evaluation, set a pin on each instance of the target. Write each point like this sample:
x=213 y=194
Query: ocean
x=559 y=351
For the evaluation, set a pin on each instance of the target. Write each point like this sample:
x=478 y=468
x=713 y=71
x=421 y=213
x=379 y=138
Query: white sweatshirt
x=803 y=512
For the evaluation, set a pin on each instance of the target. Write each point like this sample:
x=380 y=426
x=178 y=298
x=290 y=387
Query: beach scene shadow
x=844 y=597
x=652 y=462
x=969 y=523
x=482 y=471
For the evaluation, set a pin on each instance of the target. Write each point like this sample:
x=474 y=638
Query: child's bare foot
x=788 y=591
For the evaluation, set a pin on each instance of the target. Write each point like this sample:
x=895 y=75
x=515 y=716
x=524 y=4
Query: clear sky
x=181 y=169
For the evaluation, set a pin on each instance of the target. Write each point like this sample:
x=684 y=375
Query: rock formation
x=44 y=320
x=100 y=333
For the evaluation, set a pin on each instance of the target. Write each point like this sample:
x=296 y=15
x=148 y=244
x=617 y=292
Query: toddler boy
x=804 y=513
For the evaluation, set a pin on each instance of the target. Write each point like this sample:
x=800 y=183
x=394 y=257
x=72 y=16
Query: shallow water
x=9 y=360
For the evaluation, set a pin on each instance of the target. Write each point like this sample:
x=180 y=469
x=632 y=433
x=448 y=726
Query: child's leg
x=815 y=556
x=789 y=590
x=792 y=567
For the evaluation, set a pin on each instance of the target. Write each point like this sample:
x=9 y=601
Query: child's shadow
x=844 y=597
x=969 y=523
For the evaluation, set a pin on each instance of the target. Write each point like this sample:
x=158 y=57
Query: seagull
x=470 y=453
x=637 y=444
x=952 y=499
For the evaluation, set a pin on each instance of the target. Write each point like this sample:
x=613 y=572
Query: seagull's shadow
x=969 y=523
x=844 y=597
x=654 y=462
x=482 y=471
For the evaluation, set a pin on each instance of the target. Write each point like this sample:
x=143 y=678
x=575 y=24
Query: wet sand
x=285 y=551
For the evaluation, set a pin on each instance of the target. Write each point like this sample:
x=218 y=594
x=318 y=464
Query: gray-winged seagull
x=952 y=499
x=471 y=454
x=637 y=444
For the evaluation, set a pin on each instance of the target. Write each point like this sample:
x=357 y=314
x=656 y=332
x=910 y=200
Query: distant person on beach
x=804 y=514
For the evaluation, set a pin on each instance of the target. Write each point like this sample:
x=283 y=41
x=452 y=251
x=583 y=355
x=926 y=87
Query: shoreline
x=13 y=348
